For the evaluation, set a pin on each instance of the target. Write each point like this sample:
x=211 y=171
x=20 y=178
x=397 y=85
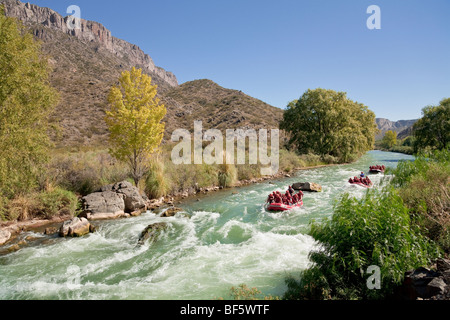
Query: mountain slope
x=401 y=127
x=87 y=62
x=218 y=108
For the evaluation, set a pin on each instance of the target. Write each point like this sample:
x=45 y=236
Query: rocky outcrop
x=5 y=235
x=424 y=283
x=77 y=227
x=133 y=200
x=400 y=126
x=307 y=186
x=88 y=31
x=171 y=212
x=114 y=201
x=103 y=205
x=152 y=232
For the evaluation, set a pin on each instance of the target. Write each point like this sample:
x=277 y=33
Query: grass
x=79 y=171
x=424 y=185
x=45 y=205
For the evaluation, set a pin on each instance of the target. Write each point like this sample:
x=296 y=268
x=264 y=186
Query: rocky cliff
x=87 y=62
x=88 y=31
x=401 y=126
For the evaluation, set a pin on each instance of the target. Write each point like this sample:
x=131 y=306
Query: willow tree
x=26 y=101
x=326 y=122
x=389 y=139
x=433 y=129
x=135 y=121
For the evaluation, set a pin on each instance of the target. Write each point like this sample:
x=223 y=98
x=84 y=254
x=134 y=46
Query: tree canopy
x=326 y=122
x=26 y=101
x=135 y=121
x=389 y=139
x=433 y=129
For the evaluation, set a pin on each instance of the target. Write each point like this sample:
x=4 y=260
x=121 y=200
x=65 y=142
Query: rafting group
x=362 y=180
x=377 y=169
x=276 y=201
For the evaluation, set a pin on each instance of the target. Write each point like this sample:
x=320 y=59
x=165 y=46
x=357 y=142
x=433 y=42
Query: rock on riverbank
x=5 y=235
x=426 y=283
x=114 y=201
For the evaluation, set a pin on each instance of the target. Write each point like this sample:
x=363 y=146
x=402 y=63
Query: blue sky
x=276 y=50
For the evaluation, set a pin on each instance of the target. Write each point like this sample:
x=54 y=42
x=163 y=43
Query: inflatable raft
x=282 y=206
x=363 y=185
x=376 y=171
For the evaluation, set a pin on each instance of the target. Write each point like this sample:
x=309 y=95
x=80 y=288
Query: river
x=228 y=239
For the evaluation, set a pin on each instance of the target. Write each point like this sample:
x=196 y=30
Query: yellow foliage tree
x=390 y=139
x=135 y=121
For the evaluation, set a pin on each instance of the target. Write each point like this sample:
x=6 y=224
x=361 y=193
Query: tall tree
x=135 y=121
x=26 y=101
x=325 y=122
x=389 y=139
x=433 y=129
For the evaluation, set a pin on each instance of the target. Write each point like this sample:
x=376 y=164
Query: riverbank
x=226 y=239
x=16 y=228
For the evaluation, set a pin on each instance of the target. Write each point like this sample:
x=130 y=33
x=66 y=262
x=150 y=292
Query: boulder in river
x=171 y=212
x=77 y=227
x=307 y=186
x=152 y=232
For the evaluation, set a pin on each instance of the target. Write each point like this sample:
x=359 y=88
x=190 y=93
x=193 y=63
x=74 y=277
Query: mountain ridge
x=91 y=31
x=86 y=64
x=402 y=127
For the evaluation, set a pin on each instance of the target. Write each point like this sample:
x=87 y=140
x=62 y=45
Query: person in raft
x=291 y=190
x=362 y=175
x=288 y=198
x=278 y=198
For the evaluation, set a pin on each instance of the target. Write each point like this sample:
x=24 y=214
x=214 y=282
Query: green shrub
x=329 y=159
x=243 y=292
x=84 y=172
x=156 y=183
x=311 y=159
x=290 y=160
x=424 y=187
x=45 y=204
x=248 y=172
x=58 y=202
x=3 y=211
x=227 y=175
x=373 y=231
x=23 y=207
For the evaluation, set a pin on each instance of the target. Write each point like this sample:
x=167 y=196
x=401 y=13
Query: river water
x=227 y=239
